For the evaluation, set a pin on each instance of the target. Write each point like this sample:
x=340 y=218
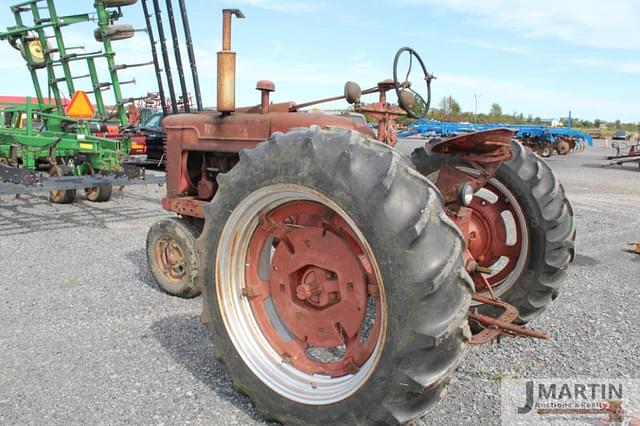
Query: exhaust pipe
x=227 y=65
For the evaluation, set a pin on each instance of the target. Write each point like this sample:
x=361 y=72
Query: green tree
x=496 y=110
x=597 y=122
x=449 y=106
x=419 y=108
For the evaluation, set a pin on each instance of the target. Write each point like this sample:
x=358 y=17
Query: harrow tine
x=125 y=66
x=77 y=77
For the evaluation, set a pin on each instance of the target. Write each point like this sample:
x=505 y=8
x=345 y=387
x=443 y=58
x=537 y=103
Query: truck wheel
x=172 y=256
x=524 y=229
x=333 y=282
x=115 y=32
x=546 y=151
x=65 y=196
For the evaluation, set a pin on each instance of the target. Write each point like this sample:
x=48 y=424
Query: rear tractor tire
x=524 y=227
x=65 y=196
x=172 y=256
x=333 y=282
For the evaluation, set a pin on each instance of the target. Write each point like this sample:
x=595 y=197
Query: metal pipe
x=176 y=49
x=226 y=30
x=104 y=20
x=154 y=54
x=60 y=42
x=165 y=56
x=93 y=72
x=296 y=107
x=227 y=65
x=192 y=56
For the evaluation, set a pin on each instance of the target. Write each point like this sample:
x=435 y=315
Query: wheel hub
x=480 y=232
x=171 y=258
x=488 y=237
x=318 y=287
x=316 y=290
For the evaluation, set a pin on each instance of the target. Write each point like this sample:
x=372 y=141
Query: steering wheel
x=399 y=86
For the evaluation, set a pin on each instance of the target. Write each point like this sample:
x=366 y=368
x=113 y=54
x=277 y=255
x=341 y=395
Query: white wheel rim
x=238 y=316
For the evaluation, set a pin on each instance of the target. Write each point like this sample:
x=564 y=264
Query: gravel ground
x=87 y=338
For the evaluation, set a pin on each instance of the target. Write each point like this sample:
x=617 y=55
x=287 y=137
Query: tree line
x=448 y=109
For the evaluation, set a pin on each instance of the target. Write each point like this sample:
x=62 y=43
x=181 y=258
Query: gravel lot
x=87 y=338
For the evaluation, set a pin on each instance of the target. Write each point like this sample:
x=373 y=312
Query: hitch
x=635 y=247
x=500 y=326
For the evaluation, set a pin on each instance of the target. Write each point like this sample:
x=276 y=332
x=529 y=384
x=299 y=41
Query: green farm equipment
x=44 y=146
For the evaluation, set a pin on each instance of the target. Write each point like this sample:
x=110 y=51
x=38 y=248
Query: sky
x=544 y=57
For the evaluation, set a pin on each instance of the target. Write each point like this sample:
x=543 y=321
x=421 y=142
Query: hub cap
x=171 y=259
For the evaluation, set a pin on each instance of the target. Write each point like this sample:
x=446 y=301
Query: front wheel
x=172 y=256
x=333 y=281
x=522 y=229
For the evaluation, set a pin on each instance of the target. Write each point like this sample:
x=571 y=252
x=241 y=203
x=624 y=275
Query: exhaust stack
x=227 y=65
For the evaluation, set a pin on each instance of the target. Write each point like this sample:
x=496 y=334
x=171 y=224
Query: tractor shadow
x=34 y=213
x=582 y=260
x=188 y=342
x=138 y=258
x=605 y=165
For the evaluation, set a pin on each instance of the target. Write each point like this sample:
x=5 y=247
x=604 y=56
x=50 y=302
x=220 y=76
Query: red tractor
x=342 y=280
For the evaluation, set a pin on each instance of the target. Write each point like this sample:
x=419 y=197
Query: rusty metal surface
x=484 y=142
x=226 y=95
x=500 y=326
x=214 y=133
x=319 y=284
x=186 y=206
x=226 y=77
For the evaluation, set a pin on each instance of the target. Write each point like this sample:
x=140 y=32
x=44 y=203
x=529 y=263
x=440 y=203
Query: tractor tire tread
x=421 y=252
x=550 y=219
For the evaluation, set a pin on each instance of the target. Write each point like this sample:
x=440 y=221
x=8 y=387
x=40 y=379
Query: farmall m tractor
x=342 y=280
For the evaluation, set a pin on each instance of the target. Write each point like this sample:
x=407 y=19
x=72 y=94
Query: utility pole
x=570 y=122
x=475 y=115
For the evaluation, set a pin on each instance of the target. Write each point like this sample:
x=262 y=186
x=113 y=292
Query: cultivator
x=43 y=144
x=625 y=153
x=540 y=139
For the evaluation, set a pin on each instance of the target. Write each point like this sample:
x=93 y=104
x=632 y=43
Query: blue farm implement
x=540 y=139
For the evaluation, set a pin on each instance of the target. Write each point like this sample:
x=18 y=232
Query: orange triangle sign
x=80 y=106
